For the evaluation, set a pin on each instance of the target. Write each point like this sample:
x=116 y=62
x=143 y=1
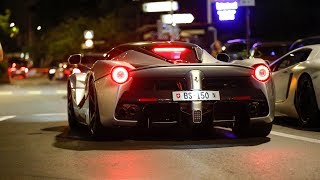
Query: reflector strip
x=147 y=99
x=240 y=98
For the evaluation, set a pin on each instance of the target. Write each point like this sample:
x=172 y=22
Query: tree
x=4 y=21
x=66 y=38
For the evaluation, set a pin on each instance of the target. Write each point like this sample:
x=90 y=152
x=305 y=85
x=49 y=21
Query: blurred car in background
x=18 y=67
x=60 y=71
x=269 y=51
x=296 y=76
x=63 y=70
x=236 y=49
x=304 y=42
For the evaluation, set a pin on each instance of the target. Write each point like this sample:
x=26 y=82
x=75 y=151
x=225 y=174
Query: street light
x=88 y=34
x=12 y=24
x=39 y=28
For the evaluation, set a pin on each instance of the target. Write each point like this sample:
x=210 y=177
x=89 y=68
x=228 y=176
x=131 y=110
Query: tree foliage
x=66 y=38
x=4 y=21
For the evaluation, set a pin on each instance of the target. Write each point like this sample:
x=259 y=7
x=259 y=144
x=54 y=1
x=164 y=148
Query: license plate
x=18 y=72
x=195 y=95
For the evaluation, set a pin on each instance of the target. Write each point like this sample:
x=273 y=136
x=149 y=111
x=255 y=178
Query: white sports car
x=177 y=84
x=297 y=84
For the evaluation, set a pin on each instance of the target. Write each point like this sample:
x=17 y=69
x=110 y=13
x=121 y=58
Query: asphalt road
x=35 y=143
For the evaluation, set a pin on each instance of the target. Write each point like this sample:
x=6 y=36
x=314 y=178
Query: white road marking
x=3 y=118
x=295 y=137
x=61 y=91
x=34 y=92
x=6 y=93
x=50 y=114
x=58 y=92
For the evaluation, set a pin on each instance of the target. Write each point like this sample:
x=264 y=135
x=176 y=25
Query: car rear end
x=179 y=95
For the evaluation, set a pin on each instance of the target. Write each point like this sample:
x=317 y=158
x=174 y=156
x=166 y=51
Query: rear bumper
x=222 y=113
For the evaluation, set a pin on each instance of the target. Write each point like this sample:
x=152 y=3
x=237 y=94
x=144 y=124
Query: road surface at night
x=35 y=143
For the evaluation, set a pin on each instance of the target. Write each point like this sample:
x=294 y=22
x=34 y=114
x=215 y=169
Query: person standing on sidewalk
x=216 y=48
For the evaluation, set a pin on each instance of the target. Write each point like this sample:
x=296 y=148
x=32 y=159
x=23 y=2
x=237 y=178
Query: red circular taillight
x=120 y=75
x=261 y=73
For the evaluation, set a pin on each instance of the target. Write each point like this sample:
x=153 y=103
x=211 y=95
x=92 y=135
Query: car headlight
x=52 y=71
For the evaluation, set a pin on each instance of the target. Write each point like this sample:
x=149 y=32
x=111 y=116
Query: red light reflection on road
x=123 y=165
x=271 y=161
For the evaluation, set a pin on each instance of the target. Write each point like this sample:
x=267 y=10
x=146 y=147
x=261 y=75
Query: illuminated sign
x=177 y=18
x=226 y=10
x=162 y=6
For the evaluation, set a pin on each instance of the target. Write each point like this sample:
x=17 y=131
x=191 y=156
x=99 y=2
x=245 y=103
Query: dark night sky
x=270 y=19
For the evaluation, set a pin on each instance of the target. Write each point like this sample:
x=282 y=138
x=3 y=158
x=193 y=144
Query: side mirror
x=223 y=57
x=74 y=59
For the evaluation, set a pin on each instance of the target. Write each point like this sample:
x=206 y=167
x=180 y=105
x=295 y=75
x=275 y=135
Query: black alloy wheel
x=95 y=126
x=72 y=121
x=306 y=103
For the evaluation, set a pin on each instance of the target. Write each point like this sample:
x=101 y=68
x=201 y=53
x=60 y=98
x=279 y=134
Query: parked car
x=236 y=48
x=269 y=51
x=18 y=67
x=297 y=84
x=63 y=70
x=304 y=42
x=176 y=84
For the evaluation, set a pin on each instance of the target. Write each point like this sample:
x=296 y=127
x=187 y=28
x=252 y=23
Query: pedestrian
x=216 y=48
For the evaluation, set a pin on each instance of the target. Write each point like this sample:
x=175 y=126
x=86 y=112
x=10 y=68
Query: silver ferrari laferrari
x=171 y=84
x=297 y=84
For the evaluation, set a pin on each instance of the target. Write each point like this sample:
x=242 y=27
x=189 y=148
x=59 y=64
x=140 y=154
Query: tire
x=306 y=103
x=72 y=120
x=260 y=130
x=50 y=76
x=95 y=126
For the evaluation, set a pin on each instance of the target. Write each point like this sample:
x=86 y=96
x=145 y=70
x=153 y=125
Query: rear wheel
x=260 y=129
x=95 y=126
x=306 y=103
x=244 y=128
x=72 y=121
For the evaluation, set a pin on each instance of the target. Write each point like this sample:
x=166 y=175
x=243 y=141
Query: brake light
x=119 y=75
x=261 y=73
x=12 y=69
x=171 y=53
x=76 y=70
x=26 y=70
x=169 y=49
